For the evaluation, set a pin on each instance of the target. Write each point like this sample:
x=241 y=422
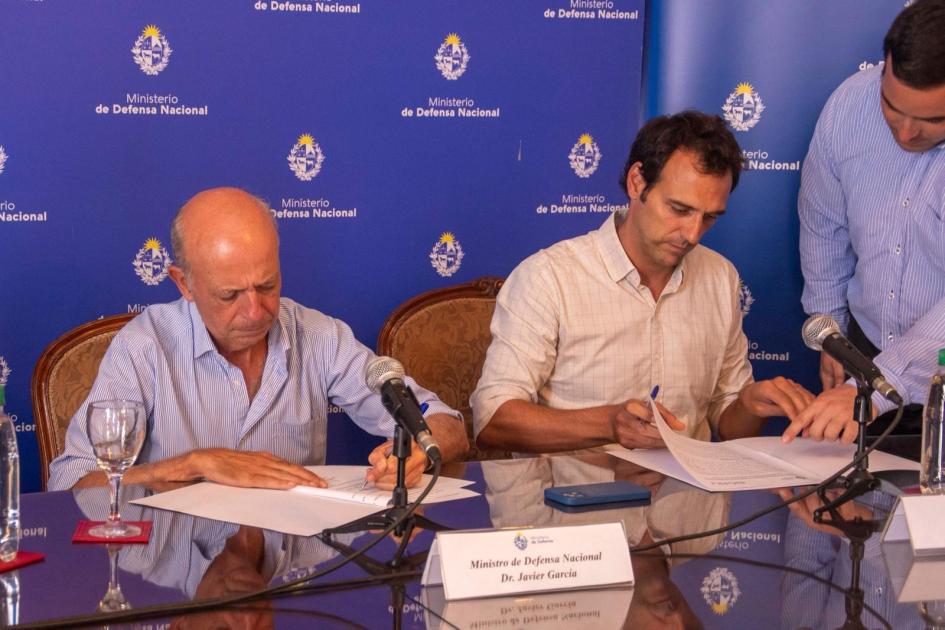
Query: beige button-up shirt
x=575 y=328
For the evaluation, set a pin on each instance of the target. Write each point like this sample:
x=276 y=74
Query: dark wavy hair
x=703 y=134
x=916 y=44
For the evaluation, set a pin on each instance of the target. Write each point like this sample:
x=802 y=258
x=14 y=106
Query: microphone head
x=379 y=370
x=817 y=328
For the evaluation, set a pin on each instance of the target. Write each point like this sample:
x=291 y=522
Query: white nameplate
x=918 y=518
x=487 y=563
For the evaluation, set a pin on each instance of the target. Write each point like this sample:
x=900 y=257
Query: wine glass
x=116 y=430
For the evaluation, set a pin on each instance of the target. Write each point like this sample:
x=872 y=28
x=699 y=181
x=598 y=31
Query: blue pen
x=425 y=406
x=656 y=390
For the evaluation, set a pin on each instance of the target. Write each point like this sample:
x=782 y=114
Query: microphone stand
x=860 y=480
x=858 y=530
x=397 y=506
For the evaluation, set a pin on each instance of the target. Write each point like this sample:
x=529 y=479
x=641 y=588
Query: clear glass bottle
x=9 y=486
x=932 y=471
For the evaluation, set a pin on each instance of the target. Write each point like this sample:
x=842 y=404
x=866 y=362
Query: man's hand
x=634 y=426
x=778 y=396
x=829 y=417
x=248 y=469
x=831 y=372
x=383 y=471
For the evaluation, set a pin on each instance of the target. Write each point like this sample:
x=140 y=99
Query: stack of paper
x=750 y=463
x=302 y=511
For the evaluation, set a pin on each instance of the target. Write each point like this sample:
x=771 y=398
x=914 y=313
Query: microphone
x=821 y=332
x=385 y=376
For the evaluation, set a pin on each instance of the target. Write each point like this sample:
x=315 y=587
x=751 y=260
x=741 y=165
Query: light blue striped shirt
x=196 y=399
x=873 y=234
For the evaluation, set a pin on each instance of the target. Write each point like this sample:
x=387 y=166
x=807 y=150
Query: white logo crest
x=4 y=371
x=305 y=158
x=152 y=262
x=446 y=255
x=745 y=299
x=720 y=590
x=584 y=156
x=151 y=51
x=743 y=107
x=3 y=158
x=452 y=57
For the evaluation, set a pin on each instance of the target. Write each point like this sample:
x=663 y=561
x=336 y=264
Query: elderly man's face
x=232 y=253
x=238 y=296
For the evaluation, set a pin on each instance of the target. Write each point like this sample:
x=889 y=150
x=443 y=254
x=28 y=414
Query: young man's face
x=916 y=118
x=678 y=210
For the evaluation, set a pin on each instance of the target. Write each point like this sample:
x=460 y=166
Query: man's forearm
x=738 y=422
x=450 y=434
x=520 y=425
x=181 y=468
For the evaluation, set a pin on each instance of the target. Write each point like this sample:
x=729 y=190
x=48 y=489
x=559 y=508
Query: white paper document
x=345 y=484
x=750 y=463
x=297 y=511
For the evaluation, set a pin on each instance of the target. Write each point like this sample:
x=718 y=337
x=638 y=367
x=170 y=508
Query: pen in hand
x=387 y=454
x=653 y=394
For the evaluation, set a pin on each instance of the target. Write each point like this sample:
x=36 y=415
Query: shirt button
x=879 y=590
x=905 y=202
x=889 y=336
x=892 y=295
x=898 y=249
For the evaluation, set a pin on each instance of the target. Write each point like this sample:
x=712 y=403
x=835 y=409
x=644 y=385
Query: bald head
x=227 y=263
x=219 y=220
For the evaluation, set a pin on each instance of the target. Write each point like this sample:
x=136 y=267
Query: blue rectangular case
x=597 y=493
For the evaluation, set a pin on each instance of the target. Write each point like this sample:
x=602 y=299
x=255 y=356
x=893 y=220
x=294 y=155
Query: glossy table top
x=777 y=571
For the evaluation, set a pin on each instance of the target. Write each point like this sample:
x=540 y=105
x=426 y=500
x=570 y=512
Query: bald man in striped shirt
x=237 y=380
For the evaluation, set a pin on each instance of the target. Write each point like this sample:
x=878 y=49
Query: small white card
x=487 y=563
x=918 y=518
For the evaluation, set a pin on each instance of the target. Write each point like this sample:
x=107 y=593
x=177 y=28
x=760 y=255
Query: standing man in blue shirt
x=235 y=379
x=872 y=213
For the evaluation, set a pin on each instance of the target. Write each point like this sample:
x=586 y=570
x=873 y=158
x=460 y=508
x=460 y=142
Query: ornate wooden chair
x=441 y=338
x=62 y=380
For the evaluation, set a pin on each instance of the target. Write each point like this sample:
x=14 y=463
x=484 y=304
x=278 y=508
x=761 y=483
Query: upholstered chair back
x=62 y=380
x=441 y=338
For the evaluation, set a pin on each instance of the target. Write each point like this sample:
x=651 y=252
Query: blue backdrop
x=374 y=129
x=768 y=67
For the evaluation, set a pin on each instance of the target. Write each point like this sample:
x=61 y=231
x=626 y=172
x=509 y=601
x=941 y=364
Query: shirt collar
x=203 y=343
x=615 y=259
x=617 y=262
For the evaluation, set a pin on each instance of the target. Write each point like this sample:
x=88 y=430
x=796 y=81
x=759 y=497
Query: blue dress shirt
x=872 y=234
x=196 y=399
